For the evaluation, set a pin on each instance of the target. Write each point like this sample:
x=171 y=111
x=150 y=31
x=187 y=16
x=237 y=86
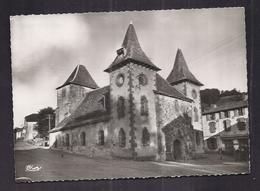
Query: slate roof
x=80 y=76
x=131 y=51
x=164 y=88
x=227 y=103
x=89 y=110
x=181 y=72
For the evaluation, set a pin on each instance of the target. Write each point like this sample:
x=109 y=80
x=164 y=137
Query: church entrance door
x=177 y=150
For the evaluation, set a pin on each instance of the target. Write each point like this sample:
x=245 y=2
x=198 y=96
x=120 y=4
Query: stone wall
x=92 y=148
x=68 y=98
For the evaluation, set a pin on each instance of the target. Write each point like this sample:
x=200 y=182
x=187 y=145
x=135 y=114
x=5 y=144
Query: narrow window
x=212 y=143
x=240 y=111
x=121 y=107
x=196 y=115
x=226 y=113
x=63 y=92
x=241 y=124
x=227 y=125
x=83 y=139
x=212 y=127
x=144 y=106
x=145 y=137
x=67 y=140
x=121 y=138
x=101 y=137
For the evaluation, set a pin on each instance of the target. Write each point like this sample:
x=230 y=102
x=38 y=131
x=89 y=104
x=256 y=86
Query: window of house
x=212 y=143
x=196 y=114
x=227 y=125
x=241 y=124
x=240 y=112
x=83 y=138
x=121 y=107
x=212 y=127
x=221 y=115
x=145 y=137
x=226 y=114
x=212 y=116
x=122 y=138
x=144 y=106
x=101 y=137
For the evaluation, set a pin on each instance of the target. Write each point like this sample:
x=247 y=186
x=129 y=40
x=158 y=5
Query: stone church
x=139 y=115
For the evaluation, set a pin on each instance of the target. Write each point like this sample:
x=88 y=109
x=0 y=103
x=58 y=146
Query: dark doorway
x=177 y=150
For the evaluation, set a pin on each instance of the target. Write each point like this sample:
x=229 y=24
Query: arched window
x=101 y=137
x=67 y=142
x=121 y=107
x=177 y=106
x=83 y=138
x=196 y=114
x=145 y=137
x=144 y=106
x=212 y=143
x=121 y=138
x=227 y=125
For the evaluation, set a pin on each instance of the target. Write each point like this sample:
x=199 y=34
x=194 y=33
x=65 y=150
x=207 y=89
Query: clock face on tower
x=120 y=80
x=194 y=94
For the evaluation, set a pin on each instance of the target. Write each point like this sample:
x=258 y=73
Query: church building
x=139 y=115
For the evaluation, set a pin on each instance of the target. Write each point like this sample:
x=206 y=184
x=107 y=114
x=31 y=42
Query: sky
x=46 y=48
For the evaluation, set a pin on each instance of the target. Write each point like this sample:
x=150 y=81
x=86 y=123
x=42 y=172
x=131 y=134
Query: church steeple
x=131 y=51
x=80 y=76
x=181 y=72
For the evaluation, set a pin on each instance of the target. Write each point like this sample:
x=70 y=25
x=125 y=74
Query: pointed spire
x=181 y=72
x=80 y=76
x=131 y=51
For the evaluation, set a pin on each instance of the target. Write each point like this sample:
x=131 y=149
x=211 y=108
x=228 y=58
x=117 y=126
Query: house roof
x=164 y=88
x=32 y=117
x=80 y=76
x=181 y=72
x=131 y=51
x=227 y=103
x=90 y=109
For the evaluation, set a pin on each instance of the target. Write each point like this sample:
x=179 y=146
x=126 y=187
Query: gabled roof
x=131 y=51
x=164 y=88
x=91 y=109
x=80 y=76
x=181 y=72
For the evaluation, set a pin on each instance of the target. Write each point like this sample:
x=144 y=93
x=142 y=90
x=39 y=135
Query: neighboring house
x=225 y=125
x=30 y=123
x=138 y=115
x=19 y=133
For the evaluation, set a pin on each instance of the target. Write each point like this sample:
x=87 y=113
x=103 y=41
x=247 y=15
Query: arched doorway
x=177 y=150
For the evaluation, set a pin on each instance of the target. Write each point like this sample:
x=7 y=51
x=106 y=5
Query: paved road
x=71 y=167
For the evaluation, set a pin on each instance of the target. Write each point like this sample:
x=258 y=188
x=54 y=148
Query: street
x=57 y=165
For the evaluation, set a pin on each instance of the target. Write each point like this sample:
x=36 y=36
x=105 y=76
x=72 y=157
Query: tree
x=46 y=121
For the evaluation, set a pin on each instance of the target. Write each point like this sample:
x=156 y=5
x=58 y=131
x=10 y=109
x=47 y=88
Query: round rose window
x=120 y=80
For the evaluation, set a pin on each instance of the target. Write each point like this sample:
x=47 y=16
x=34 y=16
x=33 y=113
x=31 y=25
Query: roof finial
x=131 y=22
